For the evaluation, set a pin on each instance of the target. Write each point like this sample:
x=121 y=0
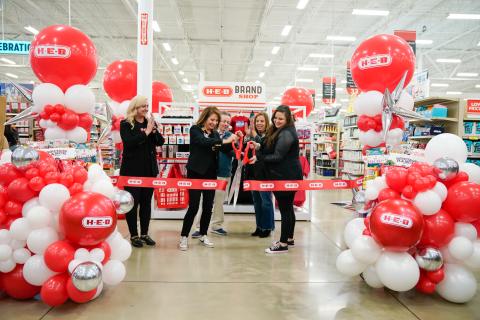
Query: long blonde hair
x=133 y=106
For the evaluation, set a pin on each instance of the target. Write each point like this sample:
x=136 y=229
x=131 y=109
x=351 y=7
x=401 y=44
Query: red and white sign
x=289 y=185
x=396 y=220
x=231 y=93
x=52 y=51
x=97 y=222
x=473 y=108
x=379 y=60
x=144 y=29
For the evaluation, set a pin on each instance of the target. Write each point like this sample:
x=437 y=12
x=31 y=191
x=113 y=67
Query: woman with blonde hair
x=140 y=138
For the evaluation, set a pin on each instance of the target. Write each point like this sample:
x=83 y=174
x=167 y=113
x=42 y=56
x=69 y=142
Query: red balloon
x=436 y=276
x=106 y=249
x=45 y=157
x=408 y=192
x=43 y=115
x=36 y=184
x=55 y=117
x=87 y=218
x=160 y=93
x=424 y=285
x=19 y=191
x=13 y=208
x=58 y=255
x=461 y=176
x=54 y=290
x=49 y=109
x=66 y=179
x=60 y=109
x=397 y=123
x=80 y=175
x=120 y=80
x=3 y=218
x=3 y=196
x=15 y=285
x=396 y=178
x=85 y=121
x=51 y=177
x=75 y=188
x=396 y=224
x=77 y=295
x=64 y=56
x=476 y=224
x=68 y=121
x=8 y=173
x=388 y=193
x=298 y=97
x=31 y=173
x=381 y=61
x=463 y=201
x=438 y=230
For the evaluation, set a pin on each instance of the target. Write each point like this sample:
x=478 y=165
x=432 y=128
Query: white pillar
x=145 y=49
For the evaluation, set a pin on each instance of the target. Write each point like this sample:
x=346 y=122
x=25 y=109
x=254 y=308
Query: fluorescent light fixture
x=321 y=55
x=423 y=41
x=181 y=72
x=463 y=16
x=343 y=81
x=11 y=75
x=366 y=12
x=31 y=29
x=166 y=46
x=444 y=85
x=276 y=98
x=267 y=63
x=185 y=80
x=339 y=89
x=477 y=86
x=454 y=92
x=302 y=4
x=261 y=74
x=7 y=61
x=341 y=38
x=307 y=68
x=155 y=26
x=257 y=81
x=174 y=60
x=467 y=74
x=304 y=80
x=188 y=87
x=344 y=100
x=286 y=30
x=478 y=44
x=275 y=49
x=441 y=60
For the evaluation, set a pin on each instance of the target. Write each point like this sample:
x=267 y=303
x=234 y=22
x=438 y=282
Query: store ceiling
x=230 y=40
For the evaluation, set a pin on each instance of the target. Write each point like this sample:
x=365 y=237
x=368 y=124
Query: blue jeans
x=264 y=214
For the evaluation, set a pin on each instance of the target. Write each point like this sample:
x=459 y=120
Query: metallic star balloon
x=26 y=93
x=26 y=114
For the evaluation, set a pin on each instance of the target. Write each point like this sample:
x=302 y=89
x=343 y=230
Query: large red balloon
x=120 y=80
x=64 y=56
x=19 y=191
x=298 y=97
x=15 y=285
x=396 y=224
x=69 y=120
x=381 y=61
x=463 y=201
x=160 y=93
x=85 y=121
x=438 y=230
x=54 y=290
x=88 y=218
x=58 y=255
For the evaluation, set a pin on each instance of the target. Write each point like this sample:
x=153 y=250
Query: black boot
x=147 y=240
x=136 y=242
x=264 y=234
x=256 y=233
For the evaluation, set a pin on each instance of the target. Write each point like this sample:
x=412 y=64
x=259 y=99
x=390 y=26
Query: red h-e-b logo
x=217 y=91
x=376 y=61
x=52 y=51
x=97 y=222
x=396 y=220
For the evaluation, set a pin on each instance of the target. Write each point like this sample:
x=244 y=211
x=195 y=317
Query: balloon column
x=65 y=59
x=423 y=231
x=58 y=232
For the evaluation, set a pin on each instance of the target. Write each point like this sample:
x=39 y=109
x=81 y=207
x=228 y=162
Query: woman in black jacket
x=140 y=138
x=280 y=155
x=205 y=142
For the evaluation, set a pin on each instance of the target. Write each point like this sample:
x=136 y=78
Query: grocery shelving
x=326 y=148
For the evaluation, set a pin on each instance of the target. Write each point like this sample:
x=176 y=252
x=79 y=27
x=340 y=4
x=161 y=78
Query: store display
x=326 y=149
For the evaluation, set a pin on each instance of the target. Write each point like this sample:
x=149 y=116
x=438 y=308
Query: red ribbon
x=144 y=182
x=295 y=185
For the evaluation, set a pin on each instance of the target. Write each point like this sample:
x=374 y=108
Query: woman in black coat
x=140 y=138
x=205 y=142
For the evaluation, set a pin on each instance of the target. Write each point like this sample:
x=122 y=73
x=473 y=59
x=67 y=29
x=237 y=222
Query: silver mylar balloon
x=87 y=276
x=123 y=201
x=447 y=168
x=23 y=156
x=429 y=259
x=358 y=201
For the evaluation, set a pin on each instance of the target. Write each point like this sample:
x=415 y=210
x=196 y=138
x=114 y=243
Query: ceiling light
x=302 y=4
x=423 y=41
x=364 y=12
x=276 y=98
x=478 y=44
x=341 y=38
x=463 y=16
x=275 y=49
x=267 y=63
x=321 y=55
x=477 y=86
x=155 y=26
x=185 y=80
x=257 y=81
x=181 y=72
x=343 y=81
x=166 y=46
x=344 y=100
x=11 y=75
x=467 y=74
x=174 y=60
x=307 y=68
x=303 y=80
x=7 y=61
x=31 y=29
x=261 y=74
x=449 y=60
x=454 y=92
x=439 y=85
x=286 y=30
x=339 y=89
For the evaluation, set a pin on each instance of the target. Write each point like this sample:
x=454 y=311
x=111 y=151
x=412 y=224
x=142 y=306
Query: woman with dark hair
x=205 y=142
x=12 y=136
x=280 y=154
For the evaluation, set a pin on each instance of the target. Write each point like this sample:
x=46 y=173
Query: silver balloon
x=87 y=276
x=358 y=201
x=429 y=259
x=123 y=201
x=447 y=168
x=23 y=156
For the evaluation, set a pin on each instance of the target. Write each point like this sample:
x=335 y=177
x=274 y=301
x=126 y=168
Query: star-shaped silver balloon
x=107 y=120
x=26 y=93
x=26 y=114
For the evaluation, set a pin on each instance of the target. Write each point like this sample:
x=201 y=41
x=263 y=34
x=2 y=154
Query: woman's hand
x=150 y=125
x=230 y=139
x=252 y=160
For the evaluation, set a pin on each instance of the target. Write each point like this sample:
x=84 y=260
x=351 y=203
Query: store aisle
x=236 y=280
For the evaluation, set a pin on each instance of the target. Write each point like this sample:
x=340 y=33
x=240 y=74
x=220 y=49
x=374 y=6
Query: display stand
x=326 y=138
x=351 y=161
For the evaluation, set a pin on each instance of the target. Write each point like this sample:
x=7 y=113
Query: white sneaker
x=207 y=243
x=183 y=245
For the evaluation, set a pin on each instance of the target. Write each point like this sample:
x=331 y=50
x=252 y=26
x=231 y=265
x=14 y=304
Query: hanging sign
x=14 y=47
x=231 y=93
x=351 y=86
x=408 y=35
x=473 y=108
x=144 y=29
x=329 y=86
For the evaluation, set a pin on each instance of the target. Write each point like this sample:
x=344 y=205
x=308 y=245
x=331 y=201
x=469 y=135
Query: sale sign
x=231 y=93
x=473 y=108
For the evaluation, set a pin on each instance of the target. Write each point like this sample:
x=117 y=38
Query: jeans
x=264 y=214
x=285 y=204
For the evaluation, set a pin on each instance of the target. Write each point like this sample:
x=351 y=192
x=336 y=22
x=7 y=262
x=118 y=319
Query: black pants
x=285 y=204
x=194 y=204
x=142 y=197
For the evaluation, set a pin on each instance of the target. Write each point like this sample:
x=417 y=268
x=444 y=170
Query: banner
x=231 y=93
x=145 y=182
x=408 y=35
x=328 y=90
x=473 y=109
x=351 y=86
x=295 y=185
x=14 y=47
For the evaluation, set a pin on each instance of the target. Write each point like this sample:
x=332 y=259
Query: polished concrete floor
x=236 y=280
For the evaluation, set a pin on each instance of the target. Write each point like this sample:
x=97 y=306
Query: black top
x=282 y=158
x=255 y=171
x=11 y=134
x=139 y=153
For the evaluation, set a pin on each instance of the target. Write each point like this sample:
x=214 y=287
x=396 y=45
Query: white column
x=145 y=49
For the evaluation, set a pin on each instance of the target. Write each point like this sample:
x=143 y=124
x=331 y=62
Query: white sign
x=231 y=93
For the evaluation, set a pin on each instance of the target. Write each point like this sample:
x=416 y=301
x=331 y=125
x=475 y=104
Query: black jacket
x=282 y=158
x=257 y=170
x=139 y=157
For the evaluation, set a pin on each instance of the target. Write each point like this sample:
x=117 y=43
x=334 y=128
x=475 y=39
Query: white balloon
x=20 y=229
x=466 y=230
x=459 y=284
x=446 y=145
x=39 y=217
x=116 y=136
x=113 y=272
x=50 y=124
x=370 y=138
x=95 y=173
x=18 y=244
x=5 y=236
x=46 y=93
x=372 y=193
x=87 y=186
x=371 y=277
x=348 y=265
x=55 y=133
x=365 y=249
x=7 y=265
x=43 y=123
x=121 y=249
x=35 y=271
x=395 y=137
x=406 y=101
x=380 y=182
x=97 y=255
x=113 y=237
x=397 y=270
x=460 y=248
x=428 y=202
x=29 y=205
x=99 y=291
x=441 y=190
x=368 y=103
x=21 y=255
x=5 y=252
x=77 y=135
x=53 y=196
x=104 y=187
x=39 y=239
x=80 y=99
x=73 y=264
x=82 y=254
x=447 y=257
x=6 y=156
x=472 y=170
x=353 y=229
x=474 y=260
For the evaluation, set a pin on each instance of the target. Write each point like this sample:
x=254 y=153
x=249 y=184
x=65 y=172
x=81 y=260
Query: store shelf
x=420 y=137
x=350 y=138
x=346 y=149
x=474 y=155
x=325 y=142
x=348 y=127
x=361 y=161
x=471 y=137
x=175 y=121
x=353 y=174
x=435 y=100
x=433 y=120
x=327 y=132
x=331 y=168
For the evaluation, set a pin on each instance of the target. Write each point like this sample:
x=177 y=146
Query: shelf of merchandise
x=350 y=146
x=326 y=136
x=421 y=137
